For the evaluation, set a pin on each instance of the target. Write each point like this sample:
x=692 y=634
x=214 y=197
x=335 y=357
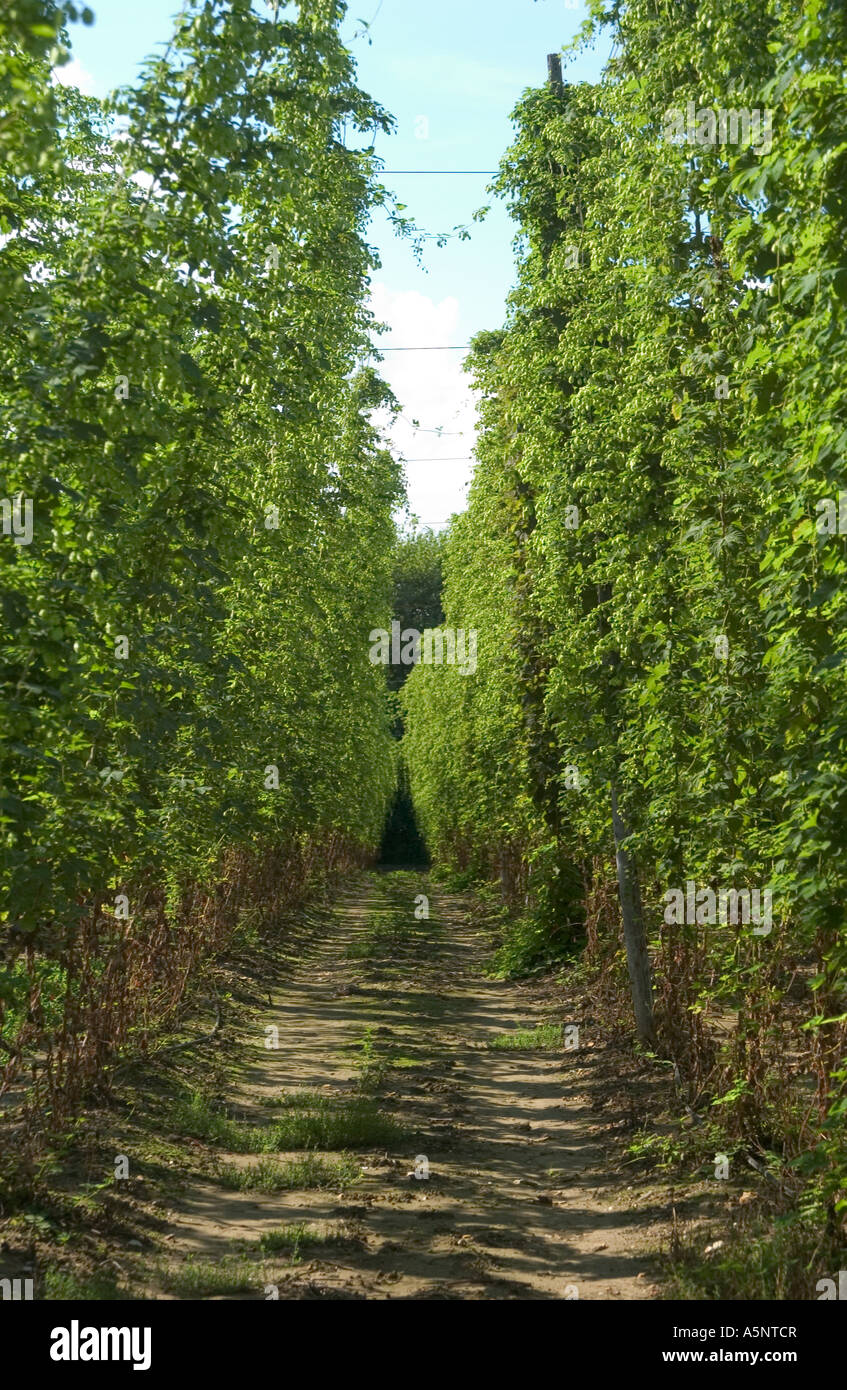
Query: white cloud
x=433 y=391
x=73 y=74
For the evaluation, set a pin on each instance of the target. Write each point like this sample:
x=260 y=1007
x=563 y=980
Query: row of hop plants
x=662 y=615
x=199 y=513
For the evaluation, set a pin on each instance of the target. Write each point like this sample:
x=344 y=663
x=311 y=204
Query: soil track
x=518 y=1202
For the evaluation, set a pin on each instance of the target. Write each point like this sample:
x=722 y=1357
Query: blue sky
x=450 y=72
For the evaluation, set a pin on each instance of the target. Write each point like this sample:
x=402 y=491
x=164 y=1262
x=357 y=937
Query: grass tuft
x=322 y=1123
x=546 y=1035
x=780 y=1258
x=205 y=1278
x=292 y=1239
x=299 y=1174
x=62 y=1286
x=197 y=1116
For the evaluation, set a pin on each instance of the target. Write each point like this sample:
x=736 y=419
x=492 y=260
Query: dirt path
x=396 y=1016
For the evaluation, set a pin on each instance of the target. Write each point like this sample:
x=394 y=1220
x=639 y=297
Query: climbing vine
x=652 y=554
x=197 y=516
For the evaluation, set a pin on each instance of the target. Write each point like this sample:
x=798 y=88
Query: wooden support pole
x=554 y=69
x=634 y=932
x=629 y=891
